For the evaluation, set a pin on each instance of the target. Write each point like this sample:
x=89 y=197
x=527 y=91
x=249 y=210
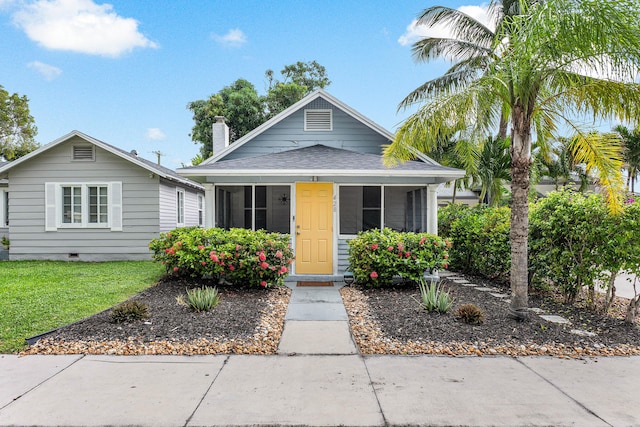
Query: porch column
x=432 y=209
x=209 y=205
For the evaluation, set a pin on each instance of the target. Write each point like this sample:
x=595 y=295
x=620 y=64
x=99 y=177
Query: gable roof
x=320 y=160
x=291 y=110
x=152 y=167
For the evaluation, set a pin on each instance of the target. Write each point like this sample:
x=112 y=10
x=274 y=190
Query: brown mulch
x=389 y=320
x=246 y=321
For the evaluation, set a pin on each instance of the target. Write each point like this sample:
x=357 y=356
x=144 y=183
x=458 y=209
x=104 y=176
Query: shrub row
x=376 y=256
x=238 y=256
x=574 y=241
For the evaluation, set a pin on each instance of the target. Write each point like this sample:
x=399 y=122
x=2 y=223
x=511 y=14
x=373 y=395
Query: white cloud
x=80 y=26
x=49 y=72
x=155 y=134
x=416 y=32
x=234 y=38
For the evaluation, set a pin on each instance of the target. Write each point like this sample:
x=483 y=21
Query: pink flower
x=407 y=254
x=373 y=275
x=200 y=247
x=231 y=267
x=374 y=246
x=445 y=265
x=264 y=265
x=204 y=262
x=263 y=284
x=262 y=256
x=283 y=270
x=390 y=248
x=175 y=269
x=423 y=240
x=400 y=246
x=213 y=257
x=279 y=254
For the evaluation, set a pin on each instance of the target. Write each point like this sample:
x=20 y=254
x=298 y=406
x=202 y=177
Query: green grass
x=37 y=296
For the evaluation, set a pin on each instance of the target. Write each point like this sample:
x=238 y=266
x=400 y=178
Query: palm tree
x=529 y=71
x=461 y=154
x=631 y=143
x=493 y=169
x=561 y=167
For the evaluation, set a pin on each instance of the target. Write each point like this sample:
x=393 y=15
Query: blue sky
x=124 y=71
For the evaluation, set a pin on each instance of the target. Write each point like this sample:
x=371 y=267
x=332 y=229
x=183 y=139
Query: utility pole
x=159 y=154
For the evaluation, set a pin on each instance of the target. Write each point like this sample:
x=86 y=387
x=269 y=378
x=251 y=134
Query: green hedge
x=238 y=256
x=480 y=237
x=376 y=256
x=574 y=241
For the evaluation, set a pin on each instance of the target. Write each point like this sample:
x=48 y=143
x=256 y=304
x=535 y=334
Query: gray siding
x=169 y=208
x=140 y=217
x=348 y=133
x=343 y=255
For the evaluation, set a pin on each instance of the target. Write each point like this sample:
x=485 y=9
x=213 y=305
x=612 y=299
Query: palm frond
x=601 y=153
x=463 y=26
x=430 y=48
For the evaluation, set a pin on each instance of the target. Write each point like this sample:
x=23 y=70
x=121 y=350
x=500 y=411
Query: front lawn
x=37 y=296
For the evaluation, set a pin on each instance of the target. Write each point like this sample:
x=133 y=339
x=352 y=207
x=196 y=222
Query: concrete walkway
x=317 y=379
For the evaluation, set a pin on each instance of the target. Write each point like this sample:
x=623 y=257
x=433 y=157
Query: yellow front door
x=314 y=228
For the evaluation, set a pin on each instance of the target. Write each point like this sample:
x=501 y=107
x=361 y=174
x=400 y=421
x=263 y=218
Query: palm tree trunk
x=455 y=188
x=502 y=130
x=520 y=165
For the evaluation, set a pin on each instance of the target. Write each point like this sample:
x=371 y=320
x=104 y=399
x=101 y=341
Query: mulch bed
x=385 y=320
x=389 y=320
x=247 y=320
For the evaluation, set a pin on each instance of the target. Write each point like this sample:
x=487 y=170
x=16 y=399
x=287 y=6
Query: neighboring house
x=4 y=213
x=316 y=171
x=79 y=198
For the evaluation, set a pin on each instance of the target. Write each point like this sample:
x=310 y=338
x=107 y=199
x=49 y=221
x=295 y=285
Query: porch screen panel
x=360 y=208
x=256 y=207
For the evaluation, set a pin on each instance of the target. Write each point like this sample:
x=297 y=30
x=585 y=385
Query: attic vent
x=83 y=152
x=318 y=120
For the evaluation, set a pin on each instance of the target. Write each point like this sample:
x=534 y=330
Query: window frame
x=201 y=210
x=85 y=205
x=4 y=208
x=180 y=204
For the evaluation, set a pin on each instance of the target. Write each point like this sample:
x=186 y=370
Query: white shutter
x=50 y=208
x=115 y=205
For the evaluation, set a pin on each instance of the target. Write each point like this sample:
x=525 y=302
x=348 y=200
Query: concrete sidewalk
x=317 y=390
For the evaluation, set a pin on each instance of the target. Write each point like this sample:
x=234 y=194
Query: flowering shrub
x=376 y=256
x=238 y=255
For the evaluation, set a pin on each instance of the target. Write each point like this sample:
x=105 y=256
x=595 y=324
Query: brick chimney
x=220 y=135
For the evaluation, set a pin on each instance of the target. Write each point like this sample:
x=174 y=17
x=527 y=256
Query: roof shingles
x=318 y=157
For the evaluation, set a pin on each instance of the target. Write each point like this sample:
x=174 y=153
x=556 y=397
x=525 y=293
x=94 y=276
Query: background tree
x=239 y=103
x=631 y=144
x=529 y=70
x=245 y=110
x=17 y=126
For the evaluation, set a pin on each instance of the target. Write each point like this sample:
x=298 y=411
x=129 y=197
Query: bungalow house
x=79 y=198
x=4 y=214
x=316 y=171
